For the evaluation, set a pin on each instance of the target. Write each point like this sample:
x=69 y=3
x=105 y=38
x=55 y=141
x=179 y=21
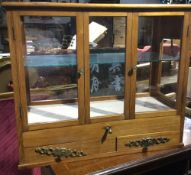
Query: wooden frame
x=22 y=73
x=157 y=68
x=82 y=23
x=128 y=17
x=88 y=134
x=12 y=44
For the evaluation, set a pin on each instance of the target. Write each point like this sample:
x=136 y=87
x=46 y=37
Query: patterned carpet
x=9 y=143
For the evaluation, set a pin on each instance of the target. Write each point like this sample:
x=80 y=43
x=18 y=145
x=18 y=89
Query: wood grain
x=119 y=128
x=94 y=6
x=86 y=134
x=14 y=72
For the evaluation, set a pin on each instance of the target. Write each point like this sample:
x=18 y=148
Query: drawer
x=89 y=147
x=89 y=138
x=147 y=142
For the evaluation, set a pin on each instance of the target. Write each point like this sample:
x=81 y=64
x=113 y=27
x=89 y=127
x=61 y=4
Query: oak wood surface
x=134 y=47
x=183 y=66
x=80 y=65
x=128 y=60
x=183 y=72
x=86 y=134
x=88 y=138
x=101 y=6
x=145 y=165
x=102 y=164
x=87 y=67
x=83 y=132
x=15 y=78
x=158 y=113
x=20 y=52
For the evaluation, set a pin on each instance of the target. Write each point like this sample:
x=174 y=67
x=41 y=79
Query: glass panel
x=170 y=67
x=51 y=65
x=158 y=52
x=107 y=65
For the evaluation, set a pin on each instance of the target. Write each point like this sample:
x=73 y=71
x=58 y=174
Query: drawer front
x=95 y=140
x=96 y=131
x=88 y=147
x=147 y=142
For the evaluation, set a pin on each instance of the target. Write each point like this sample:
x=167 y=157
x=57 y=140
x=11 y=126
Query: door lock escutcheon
x=108 y=130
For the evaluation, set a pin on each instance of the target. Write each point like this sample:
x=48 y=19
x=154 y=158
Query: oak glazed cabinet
x=97 y=81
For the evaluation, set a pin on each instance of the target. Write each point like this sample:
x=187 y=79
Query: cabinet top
x=85 y=6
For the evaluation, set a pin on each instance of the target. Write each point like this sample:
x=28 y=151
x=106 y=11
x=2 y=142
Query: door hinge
x=188 y=30
x=20 y=110
x=13 y=34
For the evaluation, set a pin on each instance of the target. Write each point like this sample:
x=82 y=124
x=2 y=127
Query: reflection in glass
x=107 y=61
x=170 y=67
x=51 y=66
x=158 y=56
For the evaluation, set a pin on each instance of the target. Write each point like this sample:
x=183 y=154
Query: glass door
x=53 y=75
x=107 y=59
x=159 y=56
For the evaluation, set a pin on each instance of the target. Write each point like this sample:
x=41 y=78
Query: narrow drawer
x=147 y=142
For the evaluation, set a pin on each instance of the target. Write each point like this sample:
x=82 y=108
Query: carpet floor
x=9 y=143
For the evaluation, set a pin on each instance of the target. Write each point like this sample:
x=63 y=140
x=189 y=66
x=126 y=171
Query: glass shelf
x=96 y=58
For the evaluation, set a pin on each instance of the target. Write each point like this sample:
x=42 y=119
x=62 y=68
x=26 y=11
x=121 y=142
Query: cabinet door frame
x=128 y=62
x=182 y=63
x=20 y=52
x=82 y=21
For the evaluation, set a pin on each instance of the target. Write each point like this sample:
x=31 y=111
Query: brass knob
x=131 y=70
x=80 y=72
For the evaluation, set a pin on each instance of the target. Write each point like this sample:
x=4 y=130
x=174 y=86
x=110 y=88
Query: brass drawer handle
x=59 y=153
x=146 y=142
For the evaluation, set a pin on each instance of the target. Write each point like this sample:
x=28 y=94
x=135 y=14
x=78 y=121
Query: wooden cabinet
x=96 y=81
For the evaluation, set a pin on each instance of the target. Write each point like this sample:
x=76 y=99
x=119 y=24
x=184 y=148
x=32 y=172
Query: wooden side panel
x=20 y=46
x=14 y=69
x=183 y=70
